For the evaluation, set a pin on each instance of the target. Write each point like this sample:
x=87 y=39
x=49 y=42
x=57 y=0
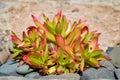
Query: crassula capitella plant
x=58 y=46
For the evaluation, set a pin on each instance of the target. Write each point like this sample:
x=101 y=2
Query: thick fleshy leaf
x=32 y=32
x=25 y=37
x=45 y=17
x=57 y=29
x=63 y=61
x=15 y=39
x=38 y=23
x=16 y=51
x=81 y=23
x=50 y=27
x=93 y=62
x=60 y=41
x=95 y=34
x=69 y=50
x=82 y=47
x=75 y=34
x=82 y=64
x=57 y=17
x=36 y=58
x=61 y=24
x=93 y=45
x=96 y=53
x=84 y=32
x=87 y=37
x=103 y=57
x=50 y=36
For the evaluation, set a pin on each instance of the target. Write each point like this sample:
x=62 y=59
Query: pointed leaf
x=15 y=39
x=60 y=41
x=75 y=34
x=50 y=27
x=96 y=53
x=93 y=62
x=38 y=23
x=84 y=32
x=16 y=52
x=50 y=36
x=93 y=45
x=82 y=64
x=25 y=37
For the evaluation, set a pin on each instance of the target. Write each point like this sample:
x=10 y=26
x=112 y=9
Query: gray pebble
x=101 y=73
x=115 y=56
x=34 y=75
x=9 y=68
x=69 y=76
x=108 y=65
x=24 y=69
x=117 y=73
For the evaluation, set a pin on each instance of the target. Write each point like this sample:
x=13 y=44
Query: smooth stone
x=34 y=75
x=69 y=76
x=101 y=73
x=9 y=68
x=107 y=64
x=117 y=73
x=24 y=69
x=115 y=56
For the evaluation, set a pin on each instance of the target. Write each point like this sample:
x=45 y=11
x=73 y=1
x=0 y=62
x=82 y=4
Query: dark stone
x=68 y=76
x=117 y=73
x=34 y=75
x=115 y=56
x=24 y=69
x=9 y=68
x=101 y=73
x=109 y=49
x=107 y=64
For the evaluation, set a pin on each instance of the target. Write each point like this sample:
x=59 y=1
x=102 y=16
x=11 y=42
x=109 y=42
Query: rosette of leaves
x=58 y=46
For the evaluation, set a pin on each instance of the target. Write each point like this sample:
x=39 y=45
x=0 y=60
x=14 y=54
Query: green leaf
x=103 y=57
x=37 y=60
x=69 y=28
x=16 y=52
x=63 y=61
x=73 y=36
x=96 y=53
x=25 y=37
x=62 y=23
x=87 y=37
x=66 y=71
x=38 y=23
x=38 y=42
x=50 y=36
x=50 y=62
x=27 y=44
x=93 y=62
x=33 y=35
x=50 y=27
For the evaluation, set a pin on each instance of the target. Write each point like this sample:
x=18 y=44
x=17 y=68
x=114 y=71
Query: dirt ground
x=16 y=16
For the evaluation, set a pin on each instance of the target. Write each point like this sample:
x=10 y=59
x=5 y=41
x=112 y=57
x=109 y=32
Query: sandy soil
x=16 y=16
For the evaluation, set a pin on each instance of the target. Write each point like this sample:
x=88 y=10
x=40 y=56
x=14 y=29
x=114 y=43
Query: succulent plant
x=58 y=46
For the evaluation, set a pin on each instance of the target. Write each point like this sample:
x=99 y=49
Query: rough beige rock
x=17 y=16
